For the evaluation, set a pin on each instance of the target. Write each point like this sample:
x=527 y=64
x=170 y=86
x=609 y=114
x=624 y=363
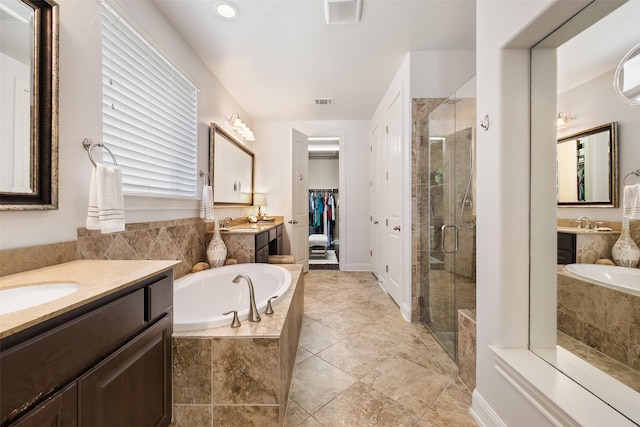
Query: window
x=149 y=114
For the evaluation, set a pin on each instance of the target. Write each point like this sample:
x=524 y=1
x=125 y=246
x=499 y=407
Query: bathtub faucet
x=254 y=316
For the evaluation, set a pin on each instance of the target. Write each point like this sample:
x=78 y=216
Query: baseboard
x=356 y=267
x=483 y=413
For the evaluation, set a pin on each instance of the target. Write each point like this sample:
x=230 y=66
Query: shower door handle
x=443 y=238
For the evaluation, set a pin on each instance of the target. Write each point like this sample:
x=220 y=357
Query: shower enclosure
x=449 y=270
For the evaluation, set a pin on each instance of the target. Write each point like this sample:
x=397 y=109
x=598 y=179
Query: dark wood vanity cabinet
x=107 y=363
x=268 y=242
x=567 y=248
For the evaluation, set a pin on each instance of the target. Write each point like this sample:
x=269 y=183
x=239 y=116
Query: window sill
x=559 y=397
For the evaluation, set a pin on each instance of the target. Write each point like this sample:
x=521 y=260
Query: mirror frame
x=613 y=165
x=216 y=132
x=44 y=117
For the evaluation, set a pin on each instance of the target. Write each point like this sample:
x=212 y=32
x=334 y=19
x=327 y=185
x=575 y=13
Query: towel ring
x=636 y=172
x=90 y=145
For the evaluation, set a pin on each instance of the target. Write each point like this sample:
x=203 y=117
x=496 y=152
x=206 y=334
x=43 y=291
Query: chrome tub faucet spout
x=254 y=316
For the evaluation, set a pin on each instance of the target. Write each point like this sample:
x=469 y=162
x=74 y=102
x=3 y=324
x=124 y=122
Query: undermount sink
x=22 y=297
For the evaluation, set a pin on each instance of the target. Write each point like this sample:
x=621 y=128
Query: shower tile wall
x=420 y=234
x=182 y=239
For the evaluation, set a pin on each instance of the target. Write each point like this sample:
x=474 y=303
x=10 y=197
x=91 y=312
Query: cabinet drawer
x=159 y=299
x=132 y=387
x=262 y=240
x=55 y=358
x=273 y=234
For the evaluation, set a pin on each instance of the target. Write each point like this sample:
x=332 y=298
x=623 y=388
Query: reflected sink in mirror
x=15 y=299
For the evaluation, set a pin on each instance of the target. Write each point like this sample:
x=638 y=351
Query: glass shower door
x=451 y=266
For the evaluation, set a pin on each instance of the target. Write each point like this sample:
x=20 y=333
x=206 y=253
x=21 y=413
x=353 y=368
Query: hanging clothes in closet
x=323 y=205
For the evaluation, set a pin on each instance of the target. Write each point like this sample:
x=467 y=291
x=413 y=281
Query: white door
x=300 y=204
x=394 y=200
x=374 y=188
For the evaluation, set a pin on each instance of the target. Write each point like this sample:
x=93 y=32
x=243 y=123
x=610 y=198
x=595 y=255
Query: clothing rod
x=315 y=190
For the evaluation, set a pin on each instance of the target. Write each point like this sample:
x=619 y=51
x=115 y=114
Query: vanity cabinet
x=268 y=242
x=106 y=363
x=567 y=248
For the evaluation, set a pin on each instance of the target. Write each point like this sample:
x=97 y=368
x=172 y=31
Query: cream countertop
x=575 y=230
x=251 y=228
x=97 y=279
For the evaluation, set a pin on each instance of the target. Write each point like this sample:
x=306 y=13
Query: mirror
x=588 y=168
x=626 y=80
x=29 y=88
x=231 y=165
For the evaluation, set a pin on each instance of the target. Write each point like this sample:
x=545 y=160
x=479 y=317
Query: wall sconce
x=259 y=200
x=240 y=127
x=562 y=120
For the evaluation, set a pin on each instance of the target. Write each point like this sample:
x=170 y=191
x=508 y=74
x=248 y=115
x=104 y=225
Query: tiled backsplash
x=592 y=247
x=182 y=239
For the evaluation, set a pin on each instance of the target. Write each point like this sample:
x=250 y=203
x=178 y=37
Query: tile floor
x=360 y=364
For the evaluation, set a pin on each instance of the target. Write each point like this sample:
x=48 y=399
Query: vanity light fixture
x=562 y=120
x=240 y=127
x=226 y=10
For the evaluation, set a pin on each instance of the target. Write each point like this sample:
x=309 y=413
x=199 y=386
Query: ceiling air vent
x=342 y=11
x=324 y=101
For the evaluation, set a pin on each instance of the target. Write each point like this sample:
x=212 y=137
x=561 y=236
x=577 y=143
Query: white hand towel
x=206 y=208
x=631 y=201
x=106 y=201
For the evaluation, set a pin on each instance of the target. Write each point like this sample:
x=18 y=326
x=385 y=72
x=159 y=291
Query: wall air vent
x=324 y=101
x=342 y=11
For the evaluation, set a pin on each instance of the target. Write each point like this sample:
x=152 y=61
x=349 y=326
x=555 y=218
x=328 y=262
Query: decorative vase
x=216 y=251
x=625 y=252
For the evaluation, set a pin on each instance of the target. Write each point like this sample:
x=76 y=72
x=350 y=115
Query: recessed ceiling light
x=226 y=10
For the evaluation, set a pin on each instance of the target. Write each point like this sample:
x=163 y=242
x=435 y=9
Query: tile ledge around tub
x=564 y=401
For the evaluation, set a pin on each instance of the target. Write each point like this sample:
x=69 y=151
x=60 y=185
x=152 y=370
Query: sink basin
x=22 y=297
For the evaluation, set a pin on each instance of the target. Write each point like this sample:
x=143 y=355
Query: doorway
x=324 y=202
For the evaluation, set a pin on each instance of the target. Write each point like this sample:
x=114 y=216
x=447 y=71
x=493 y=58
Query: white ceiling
x=279 y=55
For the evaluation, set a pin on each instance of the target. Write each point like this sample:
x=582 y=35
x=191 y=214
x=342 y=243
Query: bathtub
x=199 y=299
x=622 y=279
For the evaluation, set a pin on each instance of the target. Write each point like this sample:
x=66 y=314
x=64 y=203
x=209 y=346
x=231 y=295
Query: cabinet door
x=133 y=386
x=60 y=410
x=262 y=255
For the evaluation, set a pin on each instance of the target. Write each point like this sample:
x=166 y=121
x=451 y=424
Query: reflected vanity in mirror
x=231 y=165
x=588 y=168
x=29 y=117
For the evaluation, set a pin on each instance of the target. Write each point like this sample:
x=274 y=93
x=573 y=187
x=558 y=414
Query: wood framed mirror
x=29 y=144
x=231 y=165
x=588 y=168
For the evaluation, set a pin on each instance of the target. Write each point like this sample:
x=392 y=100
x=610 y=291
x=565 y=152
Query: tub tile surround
x=603 y=319
x=182 y=239
x=239 y=376
x=592 y=246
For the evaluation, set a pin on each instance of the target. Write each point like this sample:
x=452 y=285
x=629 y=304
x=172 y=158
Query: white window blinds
x=149 y=113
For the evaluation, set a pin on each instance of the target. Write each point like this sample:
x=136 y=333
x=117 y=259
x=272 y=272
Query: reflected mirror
x=29 y=92
x=231 y=165
x=588 y=168
x=584 y=328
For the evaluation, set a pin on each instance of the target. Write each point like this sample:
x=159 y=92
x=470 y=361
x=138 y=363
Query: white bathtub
x=619 y=278
x=199 y=299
